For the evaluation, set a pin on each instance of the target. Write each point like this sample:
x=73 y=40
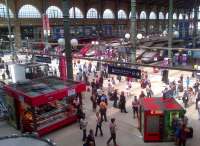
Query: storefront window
x=48 y=114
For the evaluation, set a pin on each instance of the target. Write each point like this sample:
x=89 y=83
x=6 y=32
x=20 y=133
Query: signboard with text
x=122 y=71
x=43 y=59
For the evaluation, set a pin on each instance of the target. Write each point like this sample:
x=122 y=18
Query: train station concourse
x=99 y=72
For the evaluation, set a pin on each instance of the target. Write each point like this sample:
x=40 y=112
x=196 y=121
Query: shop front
x=43 y=105
x=155 y=120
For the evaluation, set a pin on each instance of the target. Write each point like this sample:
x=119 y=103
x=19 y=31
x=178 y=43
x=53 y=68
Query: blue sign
x=196 y=54
x=42 y=59
x=129 y=72
x=58 y=33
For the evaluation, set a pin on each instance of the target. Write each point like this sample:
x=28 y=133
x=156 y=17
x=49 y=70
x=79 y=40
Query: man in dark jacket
x=185 y=98
x=123 y=103
x=90 y=141
x=115 y=98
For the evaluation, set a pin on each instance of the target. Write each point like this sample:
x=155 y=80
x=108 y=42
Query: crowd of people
x=101 y=96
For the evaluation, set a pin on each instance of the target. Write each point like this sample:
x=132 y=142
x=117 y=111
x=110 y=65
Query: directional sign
x=42 y=59
x=129 y=72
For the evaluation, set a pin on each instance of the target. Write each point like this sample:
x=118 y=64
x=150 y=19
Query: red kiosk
x=155 y=120
x=42 y=105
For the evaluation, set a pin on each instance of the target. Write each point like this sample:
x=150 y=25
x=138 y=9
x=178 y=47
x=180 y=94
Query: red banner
x=46 y=26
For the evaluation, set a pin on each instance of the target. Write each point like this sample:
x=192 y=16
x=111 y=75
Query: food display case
x=155 y=120
x=43 y=105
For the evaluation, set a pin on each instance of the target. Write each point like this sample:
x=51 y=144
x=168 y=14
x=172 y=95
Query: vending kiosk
x=42 y=105
x=155 y=120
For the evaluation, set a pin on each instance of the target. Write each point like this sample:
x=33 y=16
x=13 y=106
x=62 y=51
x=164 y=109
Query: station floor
x=127 y=132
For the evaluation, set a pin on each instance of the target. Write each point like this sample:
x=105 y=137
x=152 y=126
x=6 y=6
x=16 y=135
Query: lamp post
x=96 y=45
x=68 y=50
x=139 y=36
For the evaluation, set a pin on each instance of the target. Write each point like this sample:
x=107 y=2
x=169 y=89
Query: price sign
x=71 y=92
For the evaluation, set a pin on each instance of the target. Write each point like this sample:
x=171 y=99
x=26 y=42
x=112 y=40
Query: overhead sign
x=129 y=72
x=43 y=59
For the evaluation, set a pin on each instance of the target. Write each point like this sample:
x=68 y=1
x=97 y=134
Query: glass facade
x=92 y=13
x=29 y=11
x=3 y=12
x=54 y=12
x=108 y=14
x=122 y=14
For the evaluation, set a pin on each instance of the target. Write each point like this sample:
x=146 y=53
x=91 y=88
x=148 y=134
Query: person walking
x=90 y=141
x=196 y=87
x=115 y=98
x=83 y=123
x=198 y=108
x=149 y=91
x=197 y=99
x=103 y=110
x=142 y=95
x=187 y=82
x=94 y=101
x=99 y=124
x=135 y=106
x=123 y=102
x=112 y=127
x=183 y=135
x=185 y=98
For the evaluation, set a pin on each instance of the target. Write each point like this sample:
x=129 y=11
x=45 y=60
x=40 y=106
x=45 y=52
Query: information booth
x=43 y=105
x=155 y=120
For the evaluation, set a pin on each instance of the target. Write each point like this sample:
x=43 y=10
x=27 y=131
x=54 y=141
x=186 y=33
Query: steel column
x=9 y=30
x=170 y=33
x=133 y=31
x=195 y=21
x=68 y=49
